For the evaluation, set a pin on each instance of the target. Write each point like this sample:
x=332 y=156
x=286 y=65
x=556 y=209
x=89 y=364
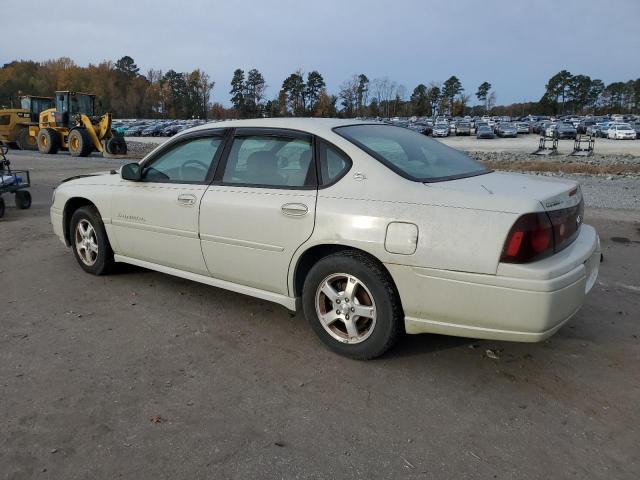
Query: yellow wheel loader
x=71 y=125
x=15 y=122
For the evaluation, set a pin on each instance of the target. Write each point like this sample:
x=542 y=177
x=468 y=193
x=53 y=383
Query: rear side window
x=270 y=161
x=5 y=119
x=410 y=154
x=333 y=163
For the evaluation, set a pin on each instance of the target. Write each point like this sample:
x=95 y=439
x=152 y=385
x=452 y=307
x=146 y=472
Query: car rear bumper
x=525 y=303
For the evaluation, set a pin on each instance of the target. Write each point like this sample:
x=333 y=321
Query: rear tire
x=48 y=141
x=26 y=141
x=23 y=199
x=357 y=283
x=80 y=144
x=1 y=207
x=116 y=146
x=89 y=241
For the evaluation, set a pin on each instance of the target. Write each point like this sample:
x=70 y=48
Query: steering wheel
x=196 y=163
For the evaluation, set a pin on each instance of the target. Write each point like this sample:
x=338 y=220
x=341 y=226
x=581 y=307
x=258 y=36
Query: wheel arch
x=71 y=205
x=309 y=257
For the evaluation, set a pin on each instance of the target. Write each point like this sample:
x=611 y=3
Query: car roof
x=316 y=126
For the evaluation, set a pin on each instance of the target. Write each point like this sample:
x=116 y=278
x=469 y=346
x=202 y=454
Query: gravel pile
x=139 y=149
x=610 y=159
x=604 y=192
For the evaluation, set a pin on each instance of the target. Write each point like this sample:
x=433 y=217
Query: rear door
x=260 y=208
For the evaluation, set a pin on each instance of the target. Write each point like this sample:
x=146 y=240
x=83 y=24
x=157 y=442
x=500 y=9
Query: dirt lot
x=143 y=375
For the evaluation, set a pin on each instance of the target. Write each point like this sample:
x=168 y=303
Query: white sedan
x=372 y=230
x=621 y=131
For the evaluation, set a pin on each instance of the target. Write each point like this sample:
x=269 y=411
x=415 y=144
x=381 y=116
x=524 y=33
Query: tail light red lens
x=530 y=238
x=535 y=236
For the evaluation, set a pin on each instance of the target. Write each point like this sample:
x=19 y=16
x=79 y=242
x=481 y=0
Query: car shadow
x=427 y=343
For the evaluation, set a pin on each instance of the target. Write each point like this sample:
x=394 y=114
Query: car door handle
x=295 y=209
x=187 y=199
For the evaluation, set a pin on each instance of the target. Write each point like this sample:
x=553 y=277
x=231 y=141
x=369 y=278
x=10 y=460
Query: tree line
x=126 y=92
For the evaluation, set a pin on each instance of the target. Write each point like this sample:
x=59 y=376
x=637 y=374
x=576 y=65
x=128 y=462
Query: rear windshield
x=410 y=154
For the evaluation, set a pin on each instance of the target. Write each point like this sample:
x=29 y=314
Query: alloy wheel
x=86 y=242
x=345 y=308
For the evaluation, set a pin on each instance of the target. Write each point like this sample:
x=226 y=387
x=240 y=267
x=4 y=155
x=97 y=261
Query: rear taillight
x=535 y=236
x=530 y=238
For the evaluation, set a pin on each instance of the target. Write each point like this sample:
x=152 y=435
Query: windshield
x=410 y=154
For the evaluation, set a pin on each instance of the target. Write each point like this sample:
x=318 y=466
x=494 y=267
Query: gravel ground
x=147 y=376
x=529 y=143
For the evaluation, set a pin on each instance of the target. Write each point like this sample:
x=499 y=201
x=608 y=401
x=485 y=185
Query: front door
x=156 y=219
x=260 y=209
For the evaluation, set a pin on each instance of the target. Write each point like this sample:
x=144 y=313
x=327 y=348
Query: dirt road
x=142 y=375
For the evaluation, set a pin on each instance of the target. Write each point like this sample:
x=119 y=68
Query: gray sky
x=516 y=45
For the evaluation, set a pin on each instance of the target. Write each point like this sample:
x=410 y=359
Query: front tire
x=89 y=241
x=352 y=305
x=80 y=144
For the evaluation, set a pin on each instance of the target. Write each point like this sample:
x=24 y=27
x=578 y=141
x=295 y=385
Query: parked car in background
x=549 y=129
x=153 y=130
x=505 y=129
x=134 y=131
x=484 y=131
x=463 y=128
x=542 y=127
x=440 y=130
x=522 y=127
x=370 y=229
x=584 y=125
x=564 y=130
x=636 y=127
x=420 y=127
x=621 y=131
x=603 y=129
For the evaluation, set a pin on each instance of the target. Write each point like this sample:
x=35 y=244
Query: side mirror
x=132 y=172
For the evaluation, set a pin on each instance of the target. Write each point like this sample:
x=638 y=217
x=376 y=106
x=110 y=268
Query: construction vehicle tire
x=25 y=141
x=80 y=144
x=48 y=141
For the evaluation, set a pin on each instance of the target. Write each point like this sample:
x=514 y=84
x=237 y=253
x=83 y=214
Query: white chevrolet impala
x=372 y=230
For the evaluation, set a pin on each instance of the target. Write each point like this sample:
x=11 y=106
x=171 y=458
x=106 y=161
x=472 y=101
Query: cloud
x=516 y=46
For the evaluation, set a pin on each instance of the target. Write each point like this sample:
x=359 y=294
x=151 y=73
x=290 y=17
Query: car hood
x=516 y=192
x=76 y=177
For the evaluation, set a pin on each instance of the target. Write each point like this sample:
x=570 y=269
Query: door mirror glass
x=131 y=171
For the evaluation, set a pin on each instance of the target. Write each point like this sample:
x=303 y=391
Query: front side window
x=272 y=161
x=187 y=162
x=410 y=154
